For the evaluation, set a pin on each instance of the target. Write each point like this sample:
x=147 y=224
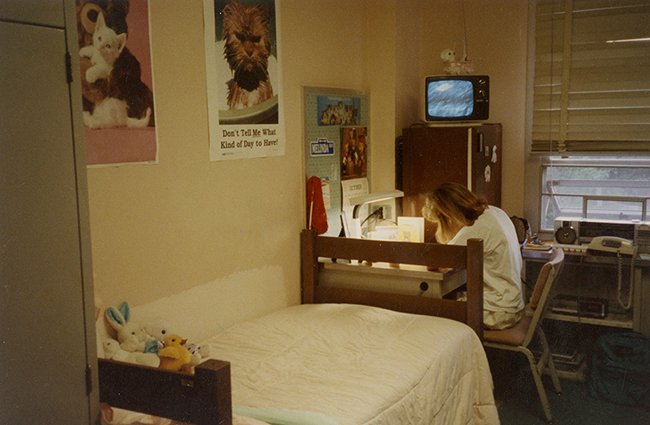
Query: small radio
x=578 y=231
x=579 y=306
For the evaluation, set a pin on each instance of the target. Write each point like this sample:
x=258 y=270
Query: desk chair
x=519 y=337
x=522 y=228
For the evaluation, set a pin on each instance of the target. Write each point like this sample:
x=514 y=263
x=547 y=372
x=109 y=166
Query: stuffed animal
x=455 y=67
x=174 y=356
x=197 y=352
x=113 y=350
x=131 y=335
x=158 y=330
x=448 y=55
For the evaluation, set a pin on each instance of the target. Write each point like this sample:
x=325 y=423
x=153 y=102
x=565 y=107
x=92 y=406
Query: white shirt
x=501 y=259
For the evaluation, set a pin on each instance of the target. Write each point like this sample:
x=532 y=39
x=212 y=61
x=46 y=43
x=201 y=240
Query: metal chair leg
x=538 y=383
x=551 y=365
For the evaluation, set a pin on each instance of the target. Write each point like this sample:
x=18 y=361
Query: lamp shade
x=361 y=200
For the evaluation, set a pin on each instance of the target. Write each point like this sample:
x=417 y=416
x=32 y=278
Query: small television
x=456 y=98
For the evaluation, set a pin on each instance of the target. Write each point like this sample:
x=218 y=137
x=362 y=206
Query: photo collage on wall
x=337 y=151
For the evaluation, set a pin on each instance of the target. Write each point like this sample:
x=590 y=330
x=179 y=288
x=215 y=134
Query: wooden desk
x=588 y=275
x=384 y=277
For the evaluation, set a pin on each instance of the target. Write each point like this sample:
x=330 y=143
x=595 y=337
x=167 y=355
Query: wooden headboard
x=432 y=255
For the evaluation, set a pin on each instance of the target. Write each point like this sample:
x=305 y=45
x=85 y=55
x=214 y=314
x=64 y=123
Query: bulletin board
x=333 y=117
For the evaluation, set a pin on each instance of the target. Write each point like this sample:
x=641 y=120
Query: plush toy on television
x=456 y=67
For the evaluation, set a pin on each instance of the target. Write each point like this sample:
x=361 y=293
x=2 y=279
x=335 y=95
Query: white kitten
x=106 y=48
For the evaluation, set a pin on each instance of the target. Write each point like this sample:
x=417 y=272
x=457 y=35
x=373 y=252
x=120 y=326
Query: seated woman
x=461 y=215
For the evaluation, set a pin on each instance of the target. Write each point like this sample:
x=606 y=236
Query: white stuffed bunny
x=113 y=350
x=132 y=336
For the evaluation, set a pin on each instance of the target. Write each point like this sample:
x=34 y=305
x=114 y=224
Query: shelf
x=578 y=374
x=405 y=279
x=612 y=320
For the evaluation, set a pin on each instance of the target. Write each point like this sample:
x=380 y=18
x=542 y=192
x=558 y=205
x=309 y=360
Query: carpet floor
x=518 y=402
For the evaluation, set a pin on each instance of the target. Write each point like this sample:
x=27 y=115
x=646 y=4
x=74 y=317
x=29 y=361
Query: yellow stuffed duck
x=173 y=355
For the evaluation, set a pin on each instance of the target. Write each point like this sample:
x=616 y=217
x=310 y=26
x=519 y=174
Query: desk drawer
x=391 y=279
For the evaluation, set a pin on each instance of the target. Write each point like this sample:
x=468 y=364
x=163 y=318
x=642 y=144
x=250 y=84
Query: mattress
x=357 y=365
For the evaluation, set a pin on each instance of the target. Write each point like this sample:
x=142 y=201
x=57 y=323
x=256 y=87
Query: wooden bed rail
x=433 y=255
x=202 y=398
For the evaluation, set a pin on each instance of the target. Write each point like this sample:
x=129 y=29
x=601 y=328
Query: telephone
x=611 y=245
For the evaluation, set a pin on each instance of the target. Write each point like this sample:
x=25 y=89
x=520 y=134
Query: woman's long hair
x=452 y=206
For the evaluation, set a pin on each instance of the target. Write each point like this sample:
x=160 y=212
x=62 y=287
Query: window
x=610 y=188
x=591 y=108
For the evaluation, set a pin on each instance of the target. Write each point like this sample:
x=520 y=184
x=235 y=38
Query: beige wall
x=497 y=45
x=187 y=222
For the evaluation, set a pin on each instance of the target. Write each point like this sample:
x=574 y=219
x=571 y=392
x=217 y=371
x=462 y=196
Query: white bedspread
x=359 y=365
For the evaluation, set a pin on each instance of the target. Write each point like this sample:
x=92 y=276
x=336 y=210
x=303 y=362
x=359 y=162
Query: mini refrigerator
x=427 y=156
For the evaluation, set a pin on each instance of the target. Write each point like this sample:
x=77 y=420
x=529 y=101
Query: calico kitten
x=112 y=112
x=247 y=49
x=125 y=84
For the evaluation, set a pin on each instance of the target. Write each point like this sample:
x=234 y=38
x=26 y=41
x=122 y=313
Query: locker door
x=43 y=333
x=431 y=155
x=485 y=147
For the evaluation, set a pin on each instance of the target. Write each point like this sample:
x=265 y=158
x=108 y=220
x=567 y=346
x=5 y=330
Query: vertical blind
x=591 y=76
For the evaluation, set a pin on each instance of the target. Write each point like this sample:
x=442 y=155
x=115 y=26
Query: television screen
x=450 y=98
x=456 y=98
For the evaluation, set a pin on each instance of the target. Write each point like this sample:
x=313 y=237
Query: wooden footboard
x=431 y=255
x=202 y=398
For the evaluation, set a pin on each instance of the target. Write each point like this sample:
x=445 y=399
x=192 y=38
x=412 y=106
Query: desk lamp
x=351 y=212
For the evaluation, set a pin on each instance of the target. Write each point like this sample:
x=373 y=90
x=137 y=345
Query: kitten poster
x=242 y=71
x=116 y=81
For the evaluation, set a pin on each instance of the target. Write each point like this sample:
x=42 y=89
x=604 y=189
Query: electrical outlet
x=386 y=210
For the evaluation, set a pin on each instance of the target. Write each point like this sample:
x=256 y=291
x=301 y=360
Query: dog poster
x=242 y=69
x=116 y=81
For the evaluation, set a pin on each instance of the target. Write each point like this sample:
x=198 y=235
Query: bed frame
x=201 y=398
x=205 y=397
x=432 y=255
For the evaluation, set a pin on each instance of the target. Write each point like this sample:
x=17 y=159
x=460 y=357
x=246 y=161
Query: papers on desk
x=545 y=246
x=410 y=229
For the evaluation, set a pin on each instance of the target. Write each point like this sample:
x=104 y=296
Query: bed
x=344 y=356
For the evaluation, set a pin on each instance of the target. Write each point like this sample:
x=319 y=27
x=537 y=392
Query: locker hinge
x=68 y=67
x=89 y=379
